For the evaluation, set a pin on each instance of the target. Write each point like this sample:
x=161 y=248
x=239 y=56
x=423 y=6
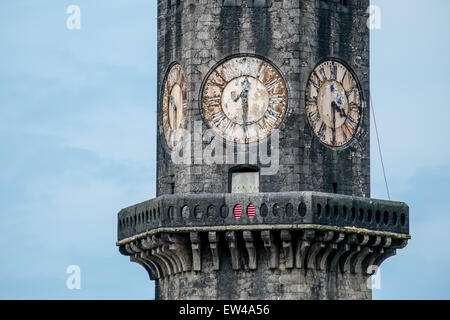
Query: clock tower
x=263 y=155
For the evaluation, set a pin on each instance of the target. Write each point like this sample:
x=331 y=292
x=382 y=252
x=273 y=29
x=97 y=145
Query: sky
x=78 y=134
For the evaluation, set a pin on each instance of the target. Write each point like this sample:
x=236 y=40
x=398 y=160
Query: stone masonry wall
x=295 y=36
x=263 y=283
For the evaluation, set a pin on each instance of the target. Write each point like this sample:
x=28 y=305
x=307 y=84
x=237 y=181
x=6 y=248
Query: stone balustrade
x=330 y=242
x=286 y=210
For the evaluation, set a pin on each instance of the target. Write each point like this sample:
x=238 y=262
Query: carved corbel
x=153 y=272
x=156 y=252
x=303 y=246
x=387 y=254
x=250 y=245
x=380 y=245
x=316 y=248
x=347 y=259
x=399 y=243
x=313 y=253
x=376 y=243
x=230 y=236
x=178 y=245
x=163 y=250
x=213 y=239
x=145 y=243
x=286 y=238
x=196 y=251
x=169 y=254
x=150 y=260
x=357 y=266
x=129 y=250
x=271 y=248
x=343 y=251
x=363 y=239
x=134 y=247
x=324 y=261
x=387 y=242
x=160 y=266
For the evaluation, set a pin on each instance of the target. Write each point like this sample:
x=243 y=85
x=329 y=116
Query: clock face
x=174 y=106
x=244 y=99
x=333 y=103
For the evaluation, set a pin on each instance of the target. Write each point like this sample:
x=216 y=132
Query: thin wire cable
x=379 y=148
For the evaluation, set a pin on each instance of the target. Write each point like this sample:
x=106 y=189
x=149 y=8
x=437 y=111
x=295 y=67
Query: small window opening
x=335 y=187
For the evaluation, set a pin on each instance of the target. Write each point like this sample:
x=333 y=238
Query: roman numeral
x=343 y=77
x=354 y=106
x=322 y=73
x=351 y=122
x=276 y=100
x=344 y=135
x=221 y=86
x=261 y=127
x=214 y=101
x=349 y=92
x=313 y=83
x=228 y=73
x=261 y=72
x=271 y=116
x=322 y=130
x=347 y=131
x=311 y=100
x=314 y=116
x=229 y=127
x=333 y=71
x=271 y=85
x=219 y=74
x=217 y=117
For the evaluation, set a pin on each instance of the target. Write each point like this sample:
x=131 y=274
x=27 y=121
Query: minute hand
x=244 y=97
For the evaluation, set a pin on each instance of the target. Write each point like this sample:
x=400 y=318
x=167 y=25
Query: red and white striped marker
x=251 y=211
x=238 y=211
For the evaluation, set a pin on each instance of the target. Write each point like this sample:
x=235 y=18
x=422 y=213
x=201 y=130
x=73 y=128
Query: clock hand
x=234 y=96
x=174 y=108
x=334 y=107
x=337 y=106
x=341 y=111
x=172 y=102
x=244 y=96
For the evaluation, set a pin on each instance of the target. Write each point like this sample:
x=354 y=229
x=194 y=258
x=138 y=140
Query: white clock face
x=244 y=99
x=174 y=106
x=333 y=103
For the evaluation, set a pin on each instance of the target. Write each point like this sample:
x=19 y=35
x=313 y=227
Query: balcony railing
x=263 y=209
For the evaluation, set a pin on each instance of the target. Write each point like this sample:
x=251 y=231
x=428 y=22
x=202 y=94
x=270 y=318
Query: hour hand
x=341 y=111
x=172 y=102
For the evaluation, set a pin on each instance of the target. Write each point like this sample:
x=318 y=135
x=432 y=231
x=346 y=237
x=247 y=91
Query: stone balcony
x=279 y=211
x=304 y=239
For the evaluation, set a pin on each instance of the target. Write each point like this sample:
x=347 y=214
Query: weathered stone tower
x=263 y=155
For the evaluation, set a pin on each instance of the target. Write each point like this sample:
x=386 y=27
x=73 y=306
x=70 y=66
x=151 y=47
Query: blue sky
x=77 y=141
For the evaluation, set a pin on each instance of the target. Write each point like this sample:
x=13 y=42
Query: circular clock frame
x=174 y=108
x=334 y=103
x=244 y=98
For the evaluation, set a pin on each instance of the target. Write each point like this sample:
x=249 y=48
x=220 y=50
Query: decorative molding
x=167 y=254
